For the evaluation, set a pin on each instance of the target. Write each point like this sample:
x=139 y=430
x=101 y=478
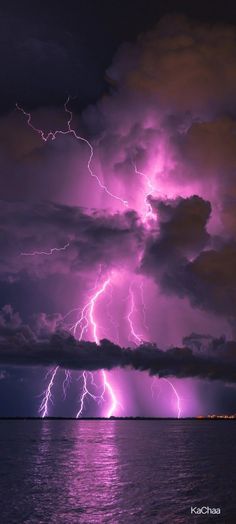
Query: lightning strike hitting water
x=92 y=323
x=177 y=397
x=153 y=386
x=47 y=395
x=51 y=135
x=86 y=392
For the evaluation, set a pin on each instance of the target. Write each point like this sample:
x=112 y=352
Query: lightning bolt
x=87 y=320
x=133 y=335
x=92 y=323
x=178 y=400
x=48 y=253
x=66 y=383
x=51 y=135
x=148 y=214
x=144 y=311
x=47 y=394
x=153 y=384
x=85 y=393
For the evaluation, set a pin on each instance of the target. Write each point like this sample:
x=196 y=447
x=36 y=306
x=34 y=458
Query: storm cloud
x=20 y=347
x=91 y=239
x=163 y=230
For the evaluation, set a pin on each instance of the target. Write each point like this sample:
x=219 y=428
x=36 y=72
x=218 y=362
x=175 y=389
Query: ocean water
x=87 y=472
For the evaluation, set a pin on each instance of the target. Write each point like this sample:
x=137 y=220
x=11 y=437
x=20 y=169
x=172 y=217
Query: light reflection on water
x=95 y=472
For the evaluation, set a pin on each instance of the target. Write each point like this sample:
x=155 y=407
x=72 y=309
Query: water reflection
x=78 y=479
x=115 y=472
x=94 y=479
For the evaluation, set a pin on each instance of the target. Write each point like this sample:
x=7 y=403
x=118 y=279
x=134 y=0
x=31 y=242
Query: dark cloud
x=178 y=64
x=177 y=254
x=208 y=281
x=182 y=261
x=90 y=239
x=19 y=346
x=205 y=153
x=181 y=234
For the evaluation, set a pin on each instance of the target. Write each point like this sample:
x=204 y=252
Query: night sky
x=118 y=208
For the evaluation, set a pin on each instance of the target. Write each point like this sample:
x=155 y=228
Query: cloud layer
x=20 y=345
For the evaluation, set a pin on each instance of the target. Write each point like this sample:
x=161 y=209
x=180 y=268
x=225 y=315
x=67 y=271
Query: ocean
x=117 y=471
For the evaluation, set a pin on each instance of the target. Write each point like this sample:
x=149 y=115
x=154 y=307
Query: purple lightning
x=47 y=395
x=178 y=399
x=176 y=395
x=66 y=383
x=148 y=214
x=87 y=320
x=144 y=311
x=88 y=316
x=48 y=253
x=153 y=384
x=133 y=335
x=85 y=393
x=51 y=135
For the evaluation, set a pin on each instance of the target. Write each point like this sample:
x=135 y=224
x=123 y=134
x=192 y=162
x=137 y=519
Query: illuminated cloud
x=163 y=140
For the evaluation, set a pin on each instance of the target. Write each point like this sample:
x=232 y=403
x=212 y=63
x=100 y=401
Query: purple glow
x=133 y=335
x=152 y=184
x=47 y=395
x=92 y=323
x=51 y=135
x=66 y=383
x=177 y=397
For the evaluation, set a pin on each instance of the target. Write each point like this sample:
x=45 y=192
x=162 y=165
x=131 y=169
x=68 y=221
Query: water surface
x=97 y=472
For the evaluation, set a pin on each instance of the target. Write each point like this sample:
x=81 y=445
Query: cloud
x=45 y=343
x=209 y=281
x=20 y=347
x=186 y=261
x=182 y=64
x=177 y=252
x=181 y=226
x=91 y=239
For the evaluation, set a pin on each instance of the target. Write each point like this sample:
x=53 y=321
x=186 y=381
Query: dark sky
x=50 y=49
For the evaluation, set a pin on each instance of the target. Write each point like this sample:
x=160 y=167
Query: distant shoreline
x=121 y=418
